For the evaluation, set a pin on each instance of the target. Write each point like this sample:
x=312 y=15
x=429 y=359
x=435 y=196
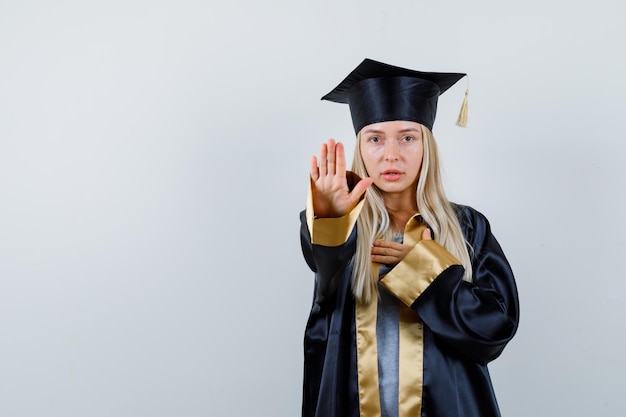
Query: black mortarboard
x=378 y=92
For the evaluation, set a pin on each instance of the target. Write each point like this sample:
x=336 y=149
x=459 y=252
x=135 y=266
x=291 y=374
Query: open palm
x=331 y=195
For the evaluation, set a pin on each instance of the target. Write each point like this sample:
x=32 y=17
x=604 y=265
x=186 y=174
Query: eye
x=374 y=139
x=408 y=138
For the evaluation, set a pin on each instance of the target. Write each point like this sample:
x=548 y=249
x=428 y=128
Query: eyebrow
x=409 y=129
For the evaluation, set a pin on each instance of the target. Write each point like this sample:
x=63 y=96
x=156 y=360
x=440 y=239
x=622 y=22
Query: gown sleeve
x=476 y=319
x=328 y=244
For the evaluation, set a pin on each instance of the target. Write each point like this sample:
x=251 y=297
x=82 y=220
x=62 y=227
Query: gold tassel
x=463 y=113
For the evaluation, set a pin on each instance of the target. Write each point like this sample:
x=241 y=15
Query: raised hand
x=331 y=195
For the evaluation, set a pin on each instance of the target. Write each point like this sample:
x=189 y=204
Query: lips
x=391 y=175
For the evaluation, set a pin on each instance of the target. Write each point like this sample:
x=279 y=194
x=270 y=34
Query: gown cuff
x=410 y=278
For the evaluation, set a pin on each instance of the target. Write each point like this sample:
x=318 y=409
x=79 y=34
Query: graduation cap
x=378 y=92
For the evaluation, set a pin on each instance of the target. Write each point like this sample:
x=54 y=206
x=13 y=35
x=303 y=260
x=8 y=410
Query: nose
x=392 y=151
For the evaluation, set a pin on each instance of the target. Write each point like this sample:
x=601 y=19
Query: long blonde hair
x=374 y=221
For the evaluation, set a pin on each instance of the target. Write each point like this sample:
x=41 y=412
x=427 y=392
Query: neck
x=400 y=208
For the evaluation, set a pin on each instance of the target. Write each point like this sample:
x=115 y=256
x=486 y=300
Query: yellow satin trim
x=367 y=357
x=419 y=268
x=406 y=281
x=411 y=363
x=413 y=231
x=332 y=231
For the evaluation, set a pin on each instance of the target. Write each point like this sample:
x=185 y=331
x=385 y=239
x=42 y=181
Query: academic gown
x=455 y=327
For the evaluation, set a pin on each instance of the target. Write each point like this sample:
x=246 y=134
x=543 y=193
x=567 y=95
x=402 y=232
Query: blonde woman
x=413 y=294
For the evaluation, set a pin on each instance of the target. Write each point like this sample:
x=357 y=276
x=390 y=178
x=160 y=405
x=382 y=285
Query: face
x=392 y=153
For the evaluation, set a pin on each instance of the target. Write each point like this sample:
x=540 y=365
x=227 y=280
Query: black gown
x=458 y=327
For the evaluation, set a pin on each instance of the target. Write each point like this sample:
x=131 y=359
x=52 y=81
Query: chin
x=393 y=188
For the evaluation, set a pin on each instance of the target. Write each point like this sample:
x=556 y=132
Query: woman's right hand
x=331 y=195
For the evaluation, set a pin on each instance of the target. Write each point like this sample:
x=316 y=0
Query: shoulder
x=472 y=221
x=467 y=214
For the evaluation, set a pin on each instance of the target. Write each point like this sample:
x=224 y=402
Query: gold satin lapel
x=411 y=363
x=413 y=231
x=367 y=357
x=411 y=349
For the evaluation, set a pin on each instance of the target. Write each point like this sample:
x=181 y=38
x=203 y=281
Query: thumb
x=360 y=187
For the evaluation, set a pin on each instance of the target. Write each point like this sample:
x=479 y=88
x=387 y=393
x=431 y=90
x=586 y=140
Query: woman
x=413 y=295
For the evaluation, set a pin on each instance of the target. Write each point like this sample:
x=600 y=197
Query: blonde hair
x=374 y=221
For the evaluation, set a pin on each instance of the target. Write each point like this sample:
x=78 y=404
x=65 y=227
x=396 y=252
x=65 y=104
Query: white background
x=154 y=158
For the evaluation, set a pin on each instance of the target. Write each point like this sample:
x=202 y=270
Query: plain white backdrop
x=154 y=159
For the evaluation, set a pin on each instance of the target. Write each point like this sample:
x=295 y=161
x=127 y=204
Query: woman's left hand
x=391 y=253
